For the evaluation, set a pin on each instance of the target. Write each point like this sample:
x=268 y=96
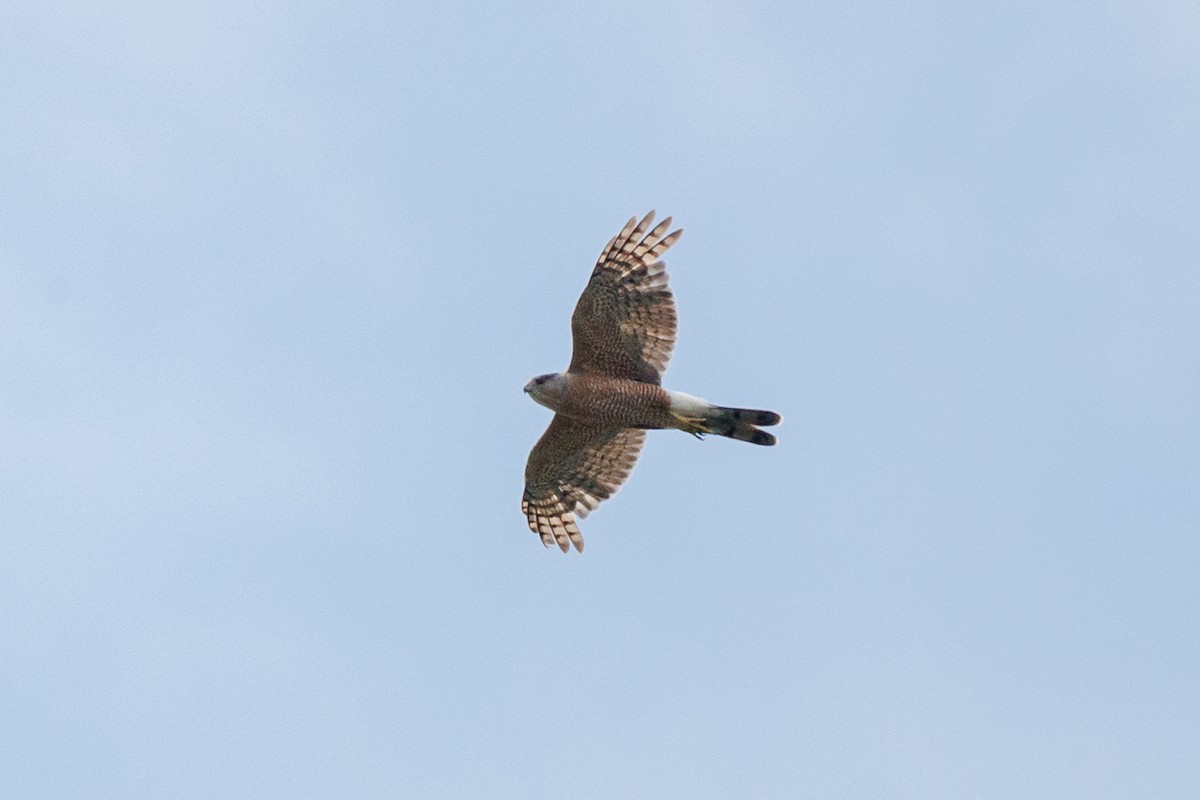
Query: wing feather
x=624 y=323
x=571 y=470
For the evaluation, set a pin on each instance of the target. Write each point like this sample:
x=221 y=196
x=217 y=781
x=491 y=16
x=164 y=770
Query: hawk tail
x=741 y=424
x=699 y=417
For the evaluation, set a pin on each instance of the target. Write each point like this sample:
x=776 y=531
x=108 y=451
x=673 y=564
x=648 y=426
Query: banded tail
x=699 y=417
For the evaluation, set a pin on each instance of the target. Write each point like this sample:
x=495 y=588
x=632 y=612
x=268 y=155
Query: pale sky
x=274 y=275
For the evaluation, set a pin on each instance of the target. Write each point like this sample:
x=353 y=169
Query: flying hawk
x=623 y=331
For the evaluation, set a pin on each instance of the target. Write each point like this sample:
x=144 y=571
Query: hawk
x=623 y=331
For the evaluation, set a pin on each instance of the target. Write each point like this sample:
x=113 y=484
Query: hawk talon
x=693 y=425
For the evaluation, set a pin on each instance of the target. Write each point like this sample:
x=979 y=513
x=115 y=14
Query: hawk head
x=547 y=389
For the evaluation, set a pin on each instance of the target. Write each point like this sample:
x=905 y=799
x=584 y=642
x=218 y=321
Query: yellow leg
x=693 y=425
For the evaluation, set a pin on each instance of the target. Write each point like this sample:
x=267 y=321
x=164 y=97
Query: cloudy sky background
x=273 y=276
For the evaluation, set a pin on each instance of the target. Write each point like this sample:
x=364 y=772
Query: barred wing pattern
x=624 y=323
x=572 y=468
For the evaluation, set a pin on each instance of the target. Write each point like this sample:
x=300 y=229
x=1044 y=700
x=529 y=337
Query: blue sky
x=275 y=274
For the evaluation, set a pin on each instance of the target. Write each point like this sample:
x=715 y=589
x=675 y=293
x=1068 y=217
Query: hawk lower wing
x=624 y=322
x=572 y=468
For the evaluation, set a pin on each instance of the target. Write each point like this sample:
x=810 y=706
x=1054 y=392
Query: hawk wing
x=571 y=469
x=624 y=323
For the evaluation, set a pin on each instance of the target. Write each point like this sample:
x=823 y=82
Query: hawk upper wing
x=624 y=323
x=571 y=469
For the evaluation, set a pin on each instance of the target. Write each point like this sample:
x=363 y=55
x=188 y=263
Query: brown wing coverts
x=572 y=468
x=624 y=323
